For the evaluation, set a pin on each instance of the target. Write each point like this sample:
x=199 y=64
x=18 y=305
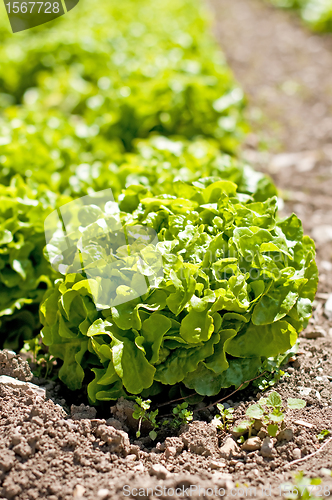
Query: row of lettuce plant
x=125 y=71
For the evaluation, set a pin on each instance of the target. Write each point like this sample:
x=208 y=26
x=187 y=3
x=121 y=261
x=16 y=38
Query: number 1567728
x=33 y=7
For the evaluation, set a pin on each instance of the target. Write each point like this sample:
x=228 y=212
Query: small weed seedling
x=43 y=363
x=273 y=372
x=225 y=418
x=268 y=412
x=323 y=434
x=142 y=414
x=181 y=416
x=305 y=488
x=270 y=380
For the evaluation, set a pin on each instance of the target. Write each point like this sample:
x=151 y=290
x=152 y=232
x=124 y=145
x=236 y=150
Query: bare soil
x=54 y=450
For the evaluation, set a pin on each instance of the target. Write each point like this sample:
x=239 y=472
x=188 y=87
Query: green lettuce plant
x=237 y=287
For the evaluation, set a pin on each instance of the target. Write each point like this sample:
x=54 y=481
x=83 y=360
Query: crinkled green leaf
x=197 y=327
x=71 y=373
x=183 y=361
x=185 y=287
x=239 y=371
x=105 y=386
x=153 y=330
x=207 y=382
x=131 y=365
x=218 y=361
x=263 y=340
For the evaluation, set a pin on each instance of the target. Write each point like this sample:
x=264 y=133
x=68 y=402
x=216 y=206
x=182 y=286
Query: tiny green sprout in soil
x=268 y=413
